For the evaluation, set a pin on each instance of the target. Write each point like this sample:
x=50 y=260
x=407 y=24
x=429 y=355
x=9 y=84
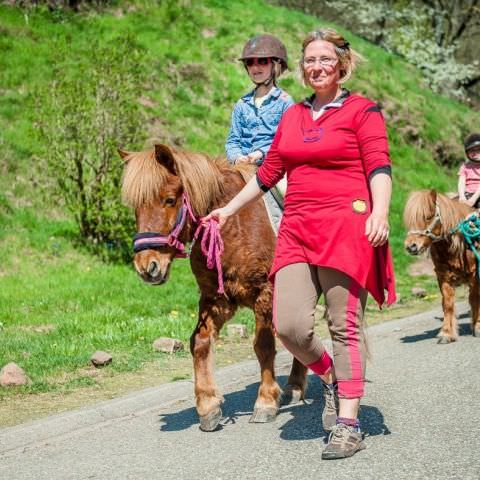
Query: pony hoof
x=210 y=422
x=443 y=340
x=476 y=333
x=263 y=415
x=291 y=395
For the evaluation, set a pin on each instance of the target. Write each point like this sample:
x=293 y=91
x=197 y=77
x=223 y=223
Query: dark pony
x=430 y=218
x=169 y=191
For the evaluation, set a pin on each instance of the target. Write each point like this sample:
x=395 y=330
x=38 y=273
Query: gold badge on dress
x=359 y=206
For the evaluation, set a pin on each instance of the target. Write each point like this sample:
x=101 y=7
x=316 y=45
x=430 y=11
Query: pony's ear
x=165 y=157
x=123 y=153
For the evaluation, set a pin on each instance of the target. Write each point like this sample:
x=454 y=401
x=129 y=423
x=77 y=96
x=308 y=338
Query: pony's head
x=167 y=189
x=430 y=217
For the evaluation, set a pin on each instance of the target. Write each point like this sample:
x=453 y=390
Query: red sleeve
x=272 y=169
x=372 y=138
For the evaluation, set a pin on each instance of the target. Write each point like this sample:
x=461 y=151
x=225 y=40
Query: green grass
x=193 y=78
x=59 y=304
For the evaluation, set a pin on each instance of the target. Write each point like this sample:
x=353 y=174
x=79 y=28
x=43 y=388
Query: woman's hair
x=347 y=57
x=277 y=69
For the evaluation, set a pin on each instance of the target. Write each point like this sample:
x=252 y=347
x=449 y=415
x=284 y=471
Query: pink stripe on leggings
x=322 y=365
x=354 y=387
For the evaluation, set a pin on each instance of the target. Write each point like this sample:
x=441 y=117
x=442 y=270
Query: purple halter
x=151 y=240
x=211 y=246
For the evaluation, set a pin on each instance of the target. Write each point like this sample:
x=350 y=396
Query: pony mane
x=420 y=209
x=144 y=178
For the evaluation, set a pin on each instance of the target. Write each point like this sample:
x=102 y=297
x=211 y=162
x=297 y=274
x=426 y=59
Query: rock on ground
x=101 y=359
x=12 y=375
x=167 y=345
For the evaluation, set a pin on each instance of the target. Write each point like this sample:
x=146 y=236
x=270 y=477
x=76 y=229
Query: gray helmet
x=266 y=46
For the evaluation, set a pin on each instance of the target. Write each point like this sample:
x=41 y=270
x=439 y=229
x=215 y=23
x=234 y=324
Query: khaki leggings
x=297 y=289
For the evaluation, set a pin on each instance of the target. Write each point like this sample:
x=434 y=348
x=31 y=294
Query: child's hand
x=242 y=159
x=254 y=156
x=468 y=201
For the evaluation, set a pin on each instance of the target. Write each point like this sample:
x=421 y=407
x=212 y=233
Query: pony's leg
x=449 y=330
x=294 y=390
x=213 y=313
x=473 y=298
x=268 y=399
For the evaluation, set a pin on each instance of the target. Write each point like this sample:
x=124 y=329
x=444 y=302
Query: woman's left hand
x=377 y=229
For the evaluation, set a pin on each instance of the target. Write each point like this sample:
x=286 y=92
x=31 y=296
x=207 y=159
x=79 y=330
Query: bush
x=410 y=29
x=82 y=119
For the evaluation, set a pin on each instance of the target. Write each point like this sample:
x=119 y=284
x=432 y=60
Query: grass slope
x=57 y=303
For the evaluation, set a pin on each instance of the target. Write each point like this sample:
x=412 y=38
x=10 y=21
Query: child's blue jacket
x=254 y=128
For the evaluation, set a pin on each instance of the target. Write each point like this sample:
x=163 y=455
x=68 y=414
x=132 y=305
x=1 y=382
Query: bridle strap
x=211 y=246
x=428 y=231
x=152 y=240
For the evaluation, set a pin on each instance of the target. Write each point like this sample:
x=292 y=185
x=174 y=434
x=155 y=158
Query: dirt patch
x=38 y=328
x=423 y=266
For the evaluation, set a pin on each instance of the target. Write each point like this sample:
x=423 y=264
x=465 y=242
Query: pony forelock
x=144 y=178
x=420 y=209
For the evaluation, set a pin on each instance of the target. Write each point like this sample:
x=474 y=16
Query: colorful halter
x=211 y=245
x=428 y=231
x=152 y=240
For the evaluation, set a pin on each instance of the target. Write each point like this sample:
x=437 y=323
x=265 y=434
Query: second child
x=469 y=172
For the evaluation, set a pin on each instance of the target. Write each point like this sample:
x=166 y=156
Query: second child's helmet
x=266 y=46
x=472 y=141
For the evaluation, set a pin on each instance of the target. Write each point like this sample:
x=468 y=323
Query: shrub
x=83 y=118
x=412 y=29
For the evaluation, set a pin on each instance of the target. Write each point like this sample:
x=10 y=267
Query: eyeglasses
x=323 y=61
x=256 y=61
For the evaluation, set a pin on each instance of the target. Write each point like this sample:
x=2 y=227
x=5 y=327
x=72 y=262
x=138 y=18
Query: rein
x=212 y=247
x=470 y=229
x=212 y=244
x=428 y=231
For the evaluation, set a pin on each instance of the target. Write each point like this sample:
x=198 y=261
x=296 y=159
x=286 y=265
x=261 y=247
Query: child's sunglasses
x=259 y=61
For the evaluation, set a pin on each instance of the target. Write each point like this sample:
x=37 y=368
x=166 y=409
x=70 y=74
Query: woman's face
x=321 y=66
x=259 y=69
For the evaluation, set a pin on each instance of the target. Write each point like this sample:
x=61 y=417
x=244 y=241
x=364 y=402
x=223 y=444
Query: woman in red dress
x=333 y=236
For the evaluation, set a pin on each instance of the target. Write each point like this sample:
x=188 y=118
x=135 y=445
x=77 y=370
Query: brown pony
x=169 y=191
x=430 y=218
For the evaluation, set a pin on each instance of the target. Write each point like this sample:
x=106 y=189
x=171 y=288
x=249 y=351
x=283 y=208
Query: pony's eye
x=170 y=201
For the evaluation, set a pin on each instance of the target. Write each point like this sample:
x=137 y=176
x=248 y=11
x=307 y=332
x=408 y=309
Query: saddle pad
x=273 y=203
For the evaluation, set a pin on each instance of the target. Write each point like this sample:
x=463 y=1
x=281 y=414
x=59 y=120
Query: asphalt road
x=420 y=414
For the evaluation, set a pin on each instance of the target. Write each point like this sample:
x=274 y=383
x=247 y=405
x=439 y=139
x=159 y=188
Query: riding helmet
x=266 y=46
x=472 y=141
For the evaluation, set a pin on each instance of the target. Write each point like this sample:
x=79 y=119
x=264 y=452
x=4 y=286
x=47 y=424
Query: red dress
x=328 y=199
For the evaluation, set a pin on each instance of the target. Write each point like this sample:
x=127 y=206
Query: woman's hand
x=377 y=229
x=219 y=214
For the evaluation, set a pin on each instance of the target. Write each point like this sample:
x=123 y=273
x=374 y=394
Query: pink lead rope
x=212 y=248
x=212 y=243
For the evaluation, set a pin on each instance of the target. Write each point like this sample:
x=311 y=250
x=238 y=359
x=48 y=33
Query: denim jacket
x=254 y=128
